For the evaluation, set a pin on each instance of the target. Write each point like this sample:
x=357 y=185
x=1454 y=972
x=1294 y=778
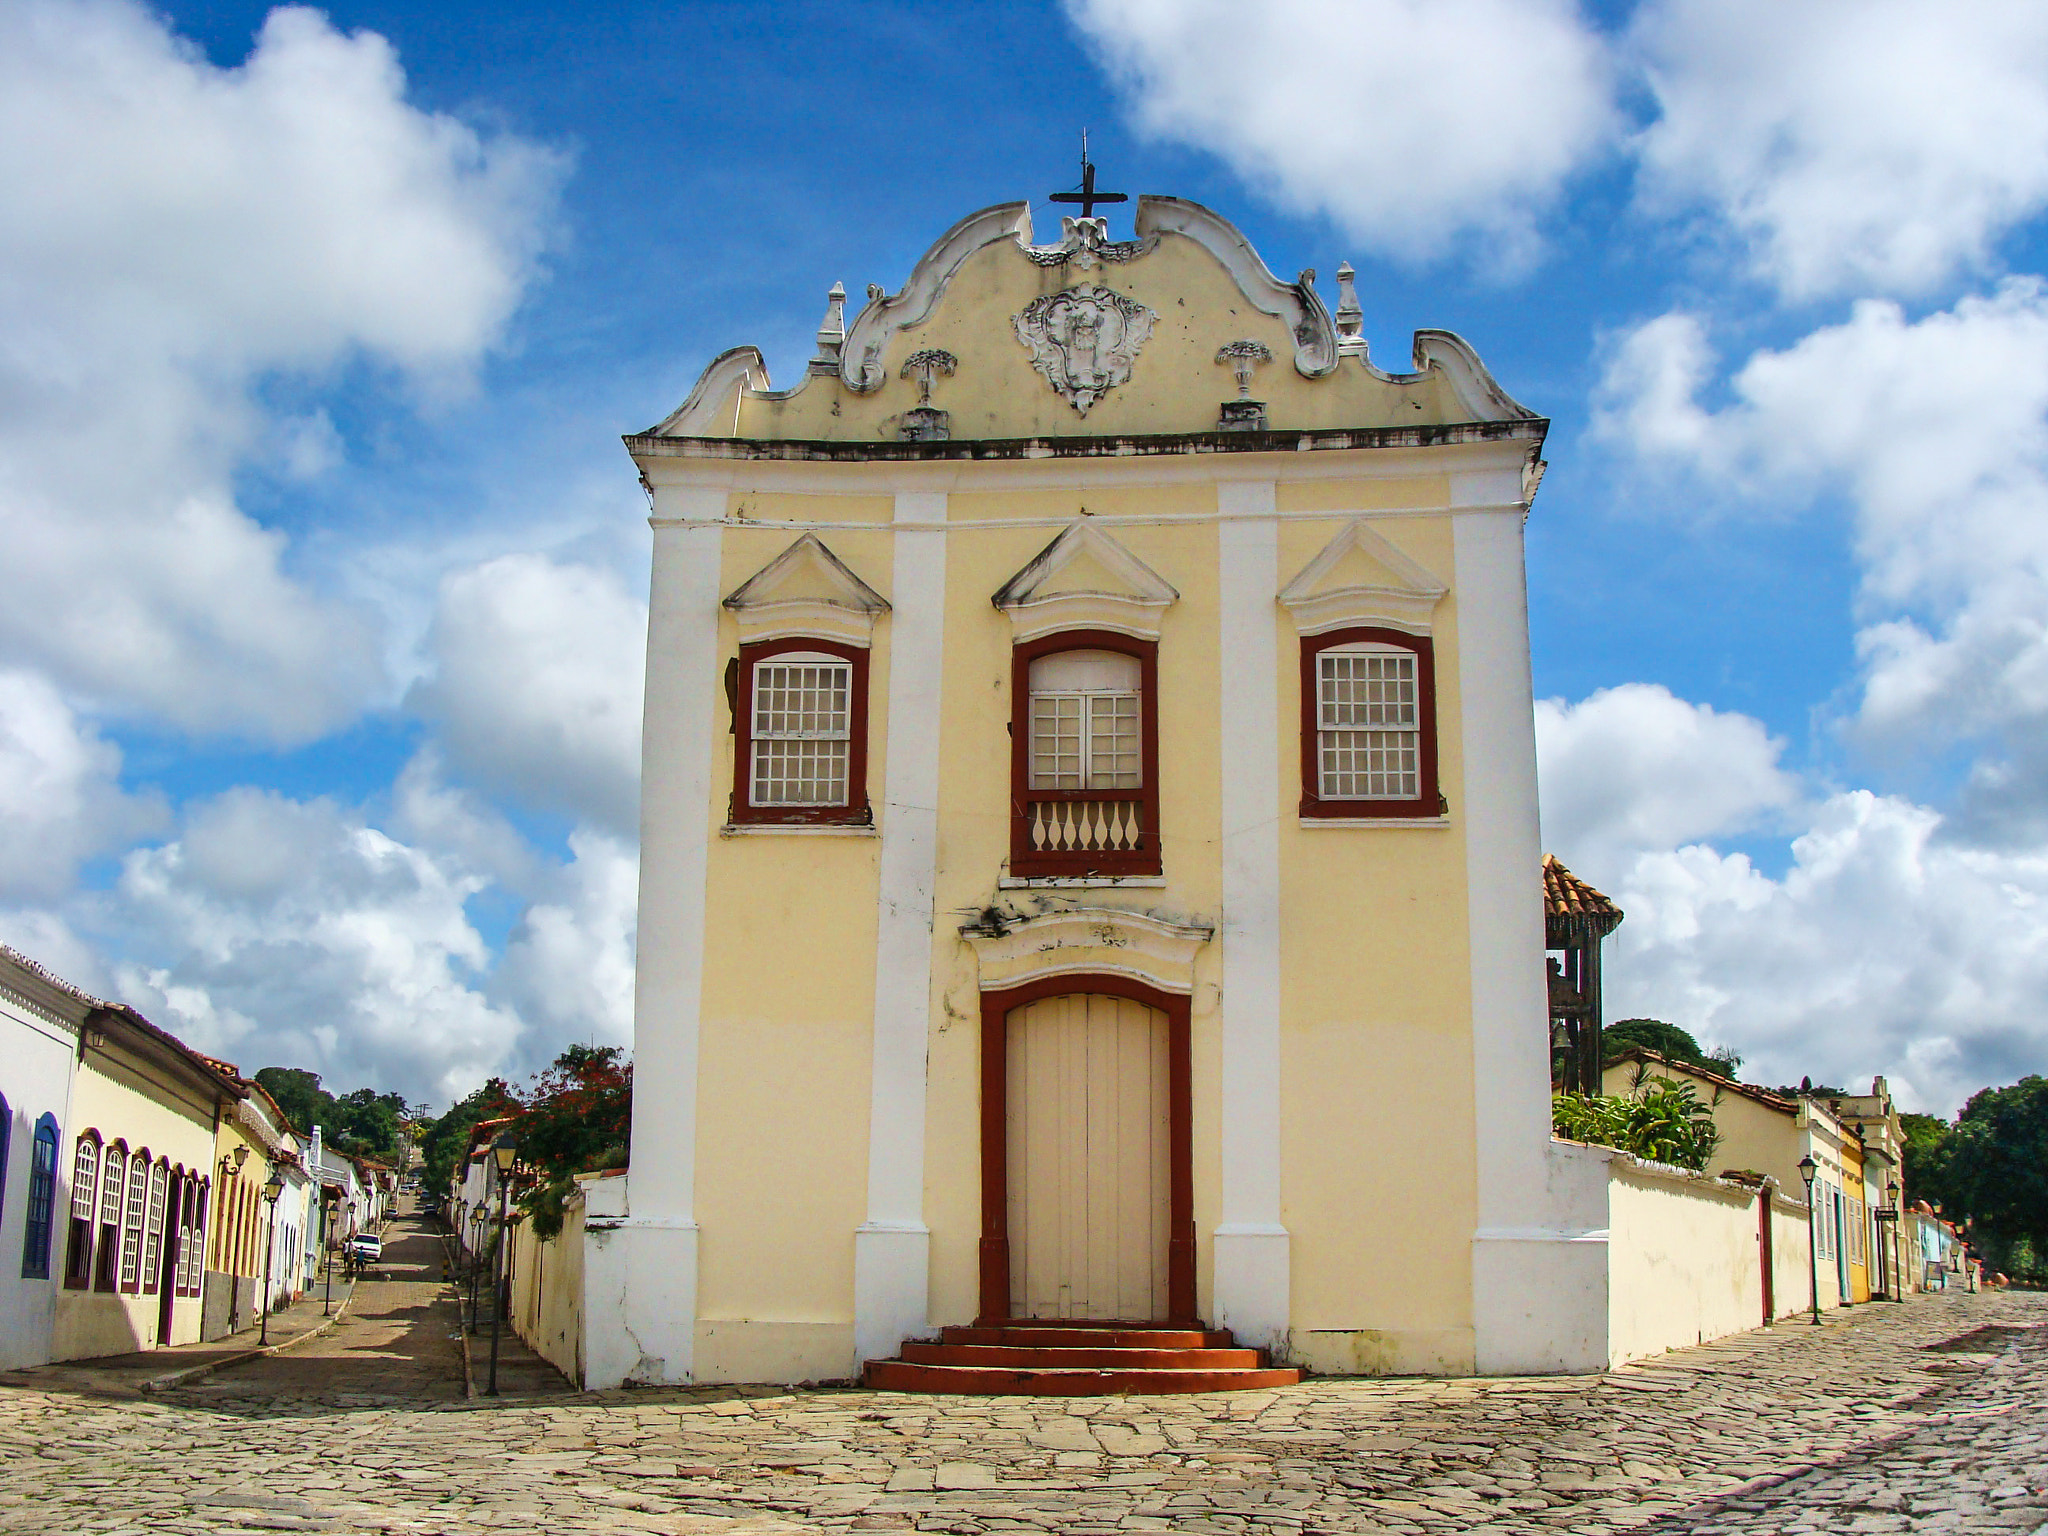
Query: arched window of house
x=131 y=1225
x=42 y=1200
x=106 y=1268
x=153 y=1228
x=6 y=1135
x=85 y=1183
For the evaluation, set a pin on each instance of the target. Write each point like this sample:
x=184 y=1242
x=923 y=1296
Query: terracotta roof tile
x=1572 y=909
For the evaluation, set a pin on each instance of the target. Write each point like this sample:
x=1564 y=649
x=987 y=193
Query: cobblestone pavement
x=396 y=1343
x=1906 y=1435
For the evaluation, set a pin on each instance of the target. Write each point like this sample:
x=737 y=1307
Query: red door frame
x=996 y=1008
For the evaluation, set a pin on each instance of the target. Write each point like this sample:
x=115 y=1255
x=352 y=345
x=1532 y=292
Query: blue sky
x=319 y=684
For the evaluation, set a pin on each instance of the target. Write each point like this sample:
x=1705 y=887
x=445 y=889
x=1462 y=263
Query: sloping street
x=1924 y=1416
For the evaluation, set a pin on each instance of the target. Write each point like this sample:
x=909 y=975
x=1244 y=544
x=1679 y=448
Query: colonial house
x=1089 y=842
x=39 y=1036
x=253 y=1140
x=140 y=1158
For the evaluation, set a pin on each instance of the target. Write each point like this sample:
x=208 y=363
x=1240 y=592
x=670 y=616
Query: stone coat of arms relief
x=1084 y=340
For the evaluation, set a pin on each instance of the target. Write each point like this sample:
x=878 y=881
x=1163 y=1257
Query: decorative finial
x=831 y=331
x=1086 y=195
x=1243 y=357
x=1350 y=318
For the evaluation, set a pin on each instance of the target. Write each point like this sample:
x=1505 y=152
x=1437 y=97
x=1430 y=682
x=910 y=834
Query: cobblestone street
x=1927 y=1416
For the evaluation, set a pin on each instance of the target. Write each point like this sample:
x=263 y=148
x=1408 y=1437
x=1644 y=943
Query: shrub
x=1663 y=1121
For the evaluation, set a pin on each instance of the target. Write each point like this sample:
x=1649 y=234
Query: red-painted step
x=1123 y=1336
x=1094 y=1357
x=1077 y=1358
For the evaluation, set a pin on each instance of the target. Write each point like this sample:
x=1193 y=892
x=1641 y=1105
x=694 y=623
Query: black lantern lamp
x=505 y=1152
x=273 y=1191
x=1807 y=1169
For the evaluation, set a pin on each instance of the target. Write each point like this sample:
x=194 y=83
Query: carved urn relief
x=1084 y=340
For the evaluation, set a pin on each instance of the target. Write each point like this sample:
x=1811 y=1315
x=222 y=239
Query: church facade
x=1090 y=847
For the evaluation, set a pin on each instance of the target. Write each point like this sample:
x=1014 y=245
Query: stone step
x=1054 y=1381
x=1072 y=1335
x=1095 y=1357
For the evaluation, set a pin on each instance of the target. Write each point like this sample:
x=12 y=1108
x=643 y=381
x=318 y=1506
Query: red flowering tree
x=578 y=1118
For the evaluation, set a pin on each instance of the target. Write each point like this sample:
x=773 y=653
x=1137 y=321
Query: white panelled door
x=1087 y=1155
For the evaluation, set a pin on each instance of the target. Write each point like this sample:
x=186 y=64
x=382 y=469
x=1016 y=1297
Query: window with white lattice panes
x=802 y=729
x=1086 y=721
x=1368 y=723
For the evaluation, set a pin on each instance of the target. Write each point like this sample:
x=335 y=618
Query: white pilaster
x=1539 y=1258
x=892 y=1248
x=657 y=1240
x=1251 y=1245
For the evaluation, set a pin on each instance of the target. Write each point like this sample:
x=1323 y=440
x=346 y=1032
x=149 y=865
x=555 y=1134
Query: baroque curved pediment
x=1087 y=941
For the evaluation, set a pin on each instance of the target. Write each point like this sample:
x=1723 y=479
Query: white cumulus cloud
x=1874 y=146
x=1409 y=122
x=60 y=795
x=1634 y=768
x=537 y=684
x=176 y=234
x=294 y=930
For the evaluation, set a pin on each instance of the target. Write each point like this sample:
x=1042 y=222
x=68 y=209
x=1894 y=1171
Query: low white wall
x=547 y=1291
x=1684 y=1259
x=1791 y=1279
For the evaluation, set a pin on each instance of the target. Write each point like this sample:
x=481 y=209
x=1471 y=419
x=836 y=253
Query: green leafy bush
x=1663 y=1121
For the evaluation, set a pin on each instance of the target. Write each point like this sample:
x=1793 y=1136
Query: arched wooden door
x=1087 y=1190
x=1087 y=1158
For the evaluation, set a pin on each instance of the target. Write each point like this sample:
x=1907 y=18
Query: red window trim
x=1429 y=801
x=1027 y=862
x=856 y=812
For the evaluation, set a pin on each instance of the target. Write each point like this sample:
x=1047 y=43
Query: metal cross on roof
x=1088 y=197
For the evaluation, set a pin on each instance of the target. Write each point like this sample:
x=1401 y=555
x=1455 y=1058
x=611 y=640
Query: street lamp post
x=506 y=1151
x=231 y=1168
x=1807 y=1168
x=273 y=1189
x=1897 y=1211
x=477 y=1217
x=327 y=1202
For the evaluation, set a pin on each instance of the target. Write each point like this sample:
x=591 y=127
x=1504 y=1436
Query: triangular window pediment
x=806 y=590
x=1362 y=579
x=1086 y=579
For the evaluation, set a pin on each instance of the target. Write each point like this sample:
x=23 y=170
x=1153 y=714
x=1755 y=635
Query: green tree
x=1667 y=1040
x=1928 y=1142
x=1993 y=1170
x=445 y=1138
x=365 y=1123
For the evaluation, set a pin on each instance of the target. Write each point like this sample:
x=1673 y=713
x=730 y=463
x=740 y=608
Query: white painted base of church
x=1252 y=1285
x=891 y=1284
x=639 y=1294
x=1540 y=1291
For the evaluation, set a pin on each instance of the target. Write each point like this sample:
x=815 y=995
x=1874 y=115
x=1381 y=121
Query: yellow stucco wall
x=1376 y=1046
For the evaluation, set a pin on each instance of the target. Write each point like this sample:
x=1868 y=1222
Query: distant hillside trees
x=365 y=1123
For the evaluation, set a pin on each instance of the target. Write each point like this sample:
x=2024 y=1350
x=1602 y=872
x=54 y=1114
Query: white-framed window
x=1368 y=723
x=1086 y=721
x=131 y=1235
x=85 y=1178
x=801 y=730
x=153 y=1228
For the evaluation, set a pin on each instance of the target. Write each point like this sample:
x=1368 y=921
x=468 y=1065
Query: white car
x=367 y=1247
